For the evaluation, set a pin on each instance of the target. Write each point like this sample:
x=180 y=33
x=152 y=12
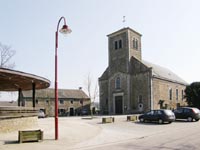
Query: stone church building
x=132 y=85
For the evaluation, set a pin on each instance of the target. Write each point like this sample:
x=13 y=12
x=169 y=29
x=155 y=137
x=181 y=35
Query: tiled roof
x=62 y=93
x=164 y=73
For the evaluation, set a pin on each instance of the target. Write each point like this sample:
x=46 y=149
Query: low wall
x=17 y=118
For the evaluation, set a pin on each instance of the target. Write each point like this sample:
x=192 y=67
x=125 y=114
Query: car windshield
x=168 y=112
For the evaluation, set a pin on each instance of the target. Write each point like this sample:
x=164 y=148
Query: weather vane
x=124 y=20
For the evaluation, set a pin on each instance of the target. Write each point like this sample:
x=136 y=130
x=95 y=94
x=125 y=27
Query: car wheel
x=189 y=119
x=160 y=121
x=141 y=119
x=196 y=119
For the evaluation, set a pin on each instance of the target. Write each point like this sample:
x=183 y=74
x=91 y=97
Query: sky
x=170 y=36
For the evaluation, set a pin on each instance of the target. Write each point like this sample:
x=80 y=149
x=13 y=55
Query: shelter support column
x=33 y=96
x=19 y=96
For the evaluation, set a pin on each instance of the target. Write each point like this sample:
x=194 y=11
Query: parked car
x=160 y=116
x=41 y=114
x=84 y=112
x=189 y=113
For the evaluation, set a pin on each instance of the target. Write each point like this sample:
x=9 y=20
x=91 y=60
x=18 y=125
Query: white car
x=41 y=114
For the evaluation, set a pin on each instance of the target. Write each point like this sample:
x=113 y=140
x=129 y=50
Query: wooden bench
x=108 y=120
x=30 y=136
x=132 y=118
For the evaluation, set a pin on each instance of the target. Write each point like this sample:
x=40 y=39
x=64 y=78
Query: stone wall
x=103 y=95
x=141 y=92
x=16 y=124
x=17 y=118
x=122 y=91
x=161 y=94
x=48 y=105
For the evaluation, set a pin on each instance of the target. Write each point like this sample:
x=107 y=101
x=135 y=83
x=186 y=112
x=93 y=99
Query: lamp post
x=64 y=30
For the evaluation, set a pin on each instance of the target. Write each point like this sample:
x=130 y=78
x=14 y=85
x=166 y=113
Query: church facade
x=132 y=85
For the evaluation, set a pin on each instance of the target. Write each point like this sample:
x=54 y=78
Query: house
x=70 y=102
x=131 y=85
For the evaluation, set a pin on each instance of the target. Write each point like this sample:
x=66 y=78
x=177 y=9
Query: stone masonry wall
x=161 y=92
x=16 y=124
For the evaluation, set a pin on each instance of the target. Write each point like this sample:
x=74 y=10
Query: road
x=179 y=135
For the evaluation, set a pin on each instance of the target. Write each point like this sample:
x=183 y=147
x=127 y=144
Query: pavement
x=83 y=133
x=74 y=133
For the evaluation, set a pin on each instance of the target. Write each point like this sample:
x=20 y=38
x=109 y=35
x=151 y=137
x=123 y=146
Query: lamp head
x=65 y=29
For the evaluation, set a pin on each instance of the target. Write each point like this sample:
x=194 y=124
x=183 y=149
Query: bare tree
x=6 y=54
x=92 y=90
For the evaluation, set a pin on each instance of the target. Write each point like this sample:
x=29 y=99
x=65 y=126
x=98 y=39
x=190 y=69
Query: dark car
x=84 y=112
x=160 y=116
x=189 y=113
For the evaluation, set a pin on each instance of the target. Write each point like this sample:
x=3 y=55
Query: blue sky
x=170 y=35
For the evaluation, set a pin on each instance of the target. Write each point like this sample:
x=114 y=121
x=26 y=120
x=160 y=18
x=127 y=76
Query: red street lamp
x=65 y=30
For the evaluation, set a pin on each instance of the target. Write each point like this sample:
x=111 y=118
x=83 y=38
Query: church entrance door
x=118 y=105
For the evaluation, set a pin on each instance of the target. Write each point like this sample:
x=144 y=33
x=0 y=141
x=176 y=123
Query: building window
x=106 y=101
x=135 y=44
x=118 y=44
x=140 y=98
x=170 y=94
x=182 y=95
x=118 y=83
x=61 y=101
x=176 y=94
x=36 y=101
x=81 y=102
x=71 y=101
x=47 y=101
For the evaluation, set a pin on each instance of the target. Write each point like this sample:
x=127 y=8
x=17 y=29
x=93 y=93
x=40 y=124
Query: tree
x=6 y=54
x=92 y=90
x=192 y=94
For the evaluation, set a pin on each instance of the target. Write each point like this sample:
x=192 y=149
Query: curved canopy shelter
x=12 y=80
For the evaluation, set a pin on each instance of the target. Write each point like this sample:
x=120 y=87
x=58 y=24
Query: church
x=132 y=85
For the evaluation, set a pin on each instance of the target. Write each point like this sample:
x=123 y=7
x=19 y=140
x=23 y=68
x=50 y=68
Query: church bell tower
x=123 y=45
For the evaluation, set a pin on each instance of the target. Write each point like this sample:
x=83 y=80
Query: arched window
x=182 y=95
x=120 y=43
x=116 y=45
x=140 y=98
x=177 y=95
x=136 y=44
x=118 y=83
x=170 y=94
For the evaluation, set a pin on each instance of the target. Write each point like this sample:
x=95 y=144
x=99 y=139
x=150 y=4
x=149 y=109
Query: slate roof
x=62 y=93
x=164 y=73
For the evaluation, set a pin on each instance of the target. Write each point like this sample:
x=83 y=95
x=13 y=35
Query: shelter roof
x=12 y=80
